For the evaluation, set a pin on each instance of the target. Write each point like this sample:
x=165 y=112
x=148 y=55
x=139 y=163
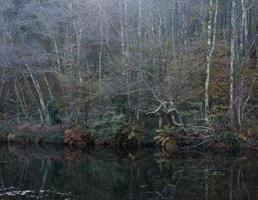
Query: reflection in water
x=105 y=174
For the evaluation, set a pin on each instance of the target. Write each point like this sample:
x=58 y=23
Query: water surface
x=108 y=174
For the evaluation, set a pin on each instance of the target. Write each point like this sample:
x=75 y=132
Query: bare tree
x=232 y=60
x=211 y=45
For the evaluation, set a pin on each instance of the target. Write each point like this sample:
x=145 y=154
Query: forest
x=129 y=72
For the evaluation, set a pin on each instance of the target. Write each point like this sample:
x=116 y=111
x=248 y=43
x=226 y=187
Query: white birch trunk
x=243 y=43
x=160 y=24
x=211 y=46
x=57 y=56
x=139 y=72
x=232 y=50
x=242 y=61
x=124 y=45
x=48 y=87
x=140 y=30
x=40 y=96
x=127 y=54
x=101 y=46
x=78 y=34
x=19 y=98
x=173 y=32
x=122 y=31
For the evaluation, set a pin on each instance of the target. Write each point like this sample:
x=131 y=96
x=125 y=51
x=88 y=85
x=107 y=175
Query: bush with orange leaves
x=78 y=137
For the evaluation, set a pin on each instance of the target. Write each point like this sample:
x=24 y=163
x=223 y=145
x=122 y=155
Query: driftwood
x=186 y=136
x=167 y=108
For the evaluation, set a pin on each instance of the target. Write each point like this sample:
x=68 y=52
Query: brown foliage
x=130 y=135
x=247 y=135
x=77 y=137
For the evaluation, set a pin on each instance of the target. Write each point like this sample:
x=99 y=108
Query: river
x=111 y=174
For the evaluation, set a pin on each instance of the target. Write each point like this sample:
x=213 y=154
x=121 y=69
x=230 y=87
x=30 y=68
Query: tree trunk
x=101 y=47
x=211 y=46
x=19 y=98
x=232 y=50
x=57 y=56
x=124 y=45
x=243 y=43
x=140 y=62
x=48 y=87
x=2 y=83
x=40 y=96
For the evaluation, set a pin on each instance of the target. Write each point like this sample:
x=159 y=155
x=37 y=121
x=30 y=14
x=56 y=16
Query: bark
x=78 y=34
x=256 y=49
x=140 y=22
x=57 y=56
x=127 y=55
x=124 y=46
x=159 y=24
x=211 y=46
x=242 y=61
x=243 y=43
x=107 y=27
x=2 y=83
x=40 y=96
x=48 y=87
x=19 y=98
x=232 y=50
x=173 y=31
x=140 y=62
x=122 y=37
x=101 y=46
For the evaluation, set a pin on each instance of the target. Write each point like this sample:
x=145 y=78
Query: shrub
x=116 y=129
x=234 y=140
x=53 y=110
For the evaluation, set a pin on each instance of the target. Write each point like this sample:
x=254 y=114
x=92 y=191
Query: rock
x=11 y=137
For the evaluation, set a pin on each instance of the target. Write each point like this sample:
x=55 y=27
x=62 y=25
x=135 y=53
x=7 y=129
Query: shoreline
x=30 y=134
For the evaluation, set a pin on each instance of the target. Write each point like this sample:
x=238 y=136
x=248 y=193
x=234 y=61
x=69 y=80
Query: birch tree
x=232 y=60
x=211 y=45
x=101 y=45
x=242 y=60
x=43 y=109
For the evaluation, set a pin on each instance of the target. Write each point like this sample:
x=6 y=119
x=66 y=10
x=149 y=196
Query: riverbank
x=72 y=135
x=83 y=137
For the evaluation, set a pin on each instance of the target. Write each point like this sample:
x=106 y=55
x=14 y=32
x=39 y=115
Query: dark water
x=105 y=174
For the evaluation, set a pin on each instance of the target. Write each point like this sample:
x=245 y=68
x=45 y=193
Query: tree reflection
x=51 y=173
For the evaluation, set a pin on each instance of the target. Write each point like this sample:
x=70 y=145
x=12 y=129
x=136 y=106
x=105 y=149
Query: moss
x=36 y=138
